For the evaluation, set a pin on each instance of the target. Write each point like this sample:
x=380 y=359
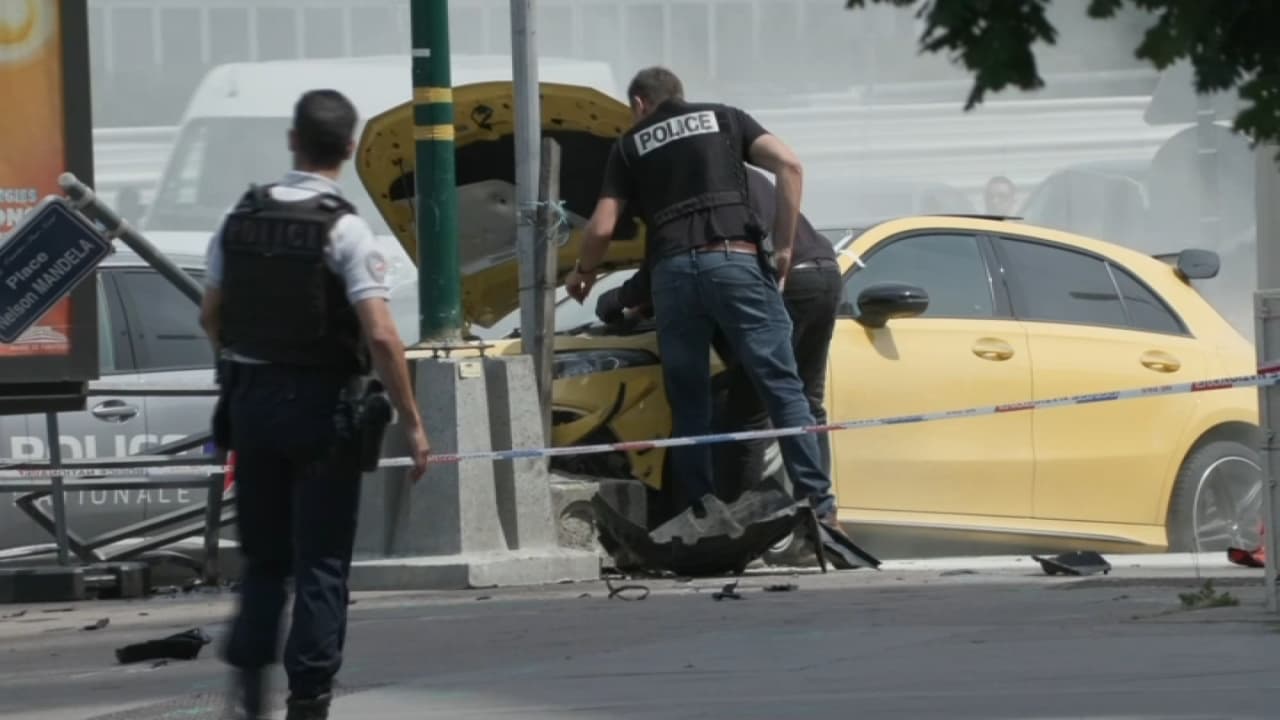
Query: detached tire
x=1217 y=499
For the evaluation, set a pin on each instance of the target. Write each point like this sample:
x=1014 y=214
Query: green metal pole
x=436 y=214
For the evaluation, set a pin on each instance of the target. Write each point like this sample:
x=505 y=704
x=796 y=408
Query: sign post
x=41 y=262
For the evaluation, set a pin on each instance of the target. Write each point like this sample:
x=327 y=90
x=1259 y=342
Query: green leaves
x=1229 y=43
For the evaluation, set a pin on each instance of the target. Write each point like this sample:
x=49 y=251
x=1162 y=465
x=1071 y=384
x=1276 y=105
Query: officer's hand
x=420 y=452
x=578 y=285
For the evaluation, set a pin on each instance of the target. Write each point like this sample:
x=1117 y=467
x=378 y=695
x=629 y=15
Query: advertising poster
x=34 y=150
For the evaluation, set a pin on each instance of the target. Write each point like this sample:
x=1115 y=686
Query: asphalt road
x=914 y=641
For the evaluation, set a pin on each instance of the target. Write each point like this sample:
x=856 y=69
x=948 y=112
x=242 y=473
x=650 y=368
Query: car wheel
x=1217 y=499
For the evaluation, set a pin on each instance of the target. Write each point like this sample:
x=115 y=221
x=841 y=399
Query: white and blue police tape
x=1265 y=376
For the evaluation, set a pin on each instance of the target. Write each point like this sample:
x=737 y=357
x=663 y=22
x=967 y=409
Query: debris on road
x=101 y=623
x=728 y=591
x=617 y=592
x=950 y=573
x=182 y=646
x=1256 y=558
x=1084 y=562
x=723 y=540
x=781 y=587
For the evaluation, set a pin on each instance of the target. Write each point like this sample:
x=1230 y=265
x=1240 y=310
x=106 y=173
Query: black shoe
x=312 y=708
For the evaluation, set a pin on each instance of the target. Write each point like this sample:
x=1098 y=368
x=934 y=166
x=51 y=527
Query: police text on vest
x=672 y=129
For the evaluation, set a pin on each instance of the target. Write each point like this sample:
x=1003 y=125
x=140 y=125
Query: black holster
x=225 y=376
x=371 y=417
x=765 y=253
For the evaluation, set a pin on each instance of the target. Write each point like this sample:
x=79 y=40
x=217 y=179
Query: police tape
x=1265 y=376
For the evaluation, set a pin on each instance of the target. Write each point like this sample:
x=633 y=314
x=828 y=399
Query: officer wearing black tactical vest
x=712 y=266
x=812 y=297
x=297 y=308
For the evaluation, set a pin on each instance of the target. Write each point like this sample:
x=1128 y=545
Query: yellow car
x=941 y=312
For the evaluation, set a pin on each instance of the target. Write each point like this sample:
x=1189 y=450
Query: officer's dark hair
x=654 y=85
x=324 y=123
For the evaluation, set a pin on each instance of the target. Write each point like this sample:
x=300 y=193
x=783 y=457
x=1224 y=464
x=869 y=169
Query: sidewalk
x=955 y=638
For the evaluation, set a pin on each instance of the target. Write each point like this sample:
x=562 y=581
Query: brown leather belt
x=738 y=246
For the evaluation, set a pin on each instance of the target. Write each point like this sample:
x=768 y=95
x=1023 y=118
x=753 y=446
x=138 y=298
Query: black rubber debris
x=1083 y=562
x=721 y=540
x=728 y=591
x=182 y=646
x=782 y=587
x=103 y=622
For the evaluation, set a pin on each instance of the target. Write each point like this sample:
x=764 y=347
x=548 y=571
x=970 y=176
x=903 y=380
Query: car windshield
x=213 y=162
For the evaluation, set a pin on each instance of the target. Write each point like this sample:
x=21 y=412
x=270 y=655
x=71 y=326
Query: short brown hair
x=654 y=85
x=324 y=122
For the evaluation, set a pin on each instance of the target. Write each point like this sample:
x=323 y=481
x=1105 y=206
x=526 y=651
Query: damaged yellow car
x=941 y=312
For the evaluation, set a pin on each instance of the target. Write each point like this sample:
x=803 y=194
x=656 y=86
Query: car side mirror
x=1196 y=264
x=882 y=302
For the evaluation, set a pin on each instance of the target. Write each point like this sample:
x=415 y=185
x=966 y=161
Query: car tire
x=1217 y=499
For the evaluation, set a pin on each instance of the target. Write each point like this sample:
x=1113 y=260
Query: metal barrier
x=180 y=524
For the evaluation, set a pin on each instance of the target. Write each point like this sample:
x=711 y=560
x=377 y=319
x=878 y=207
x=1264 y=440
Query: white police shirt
x=353 y=253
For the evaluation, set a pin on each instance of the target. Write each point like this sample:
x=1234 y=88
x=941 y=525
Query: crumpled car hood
x=584 y=121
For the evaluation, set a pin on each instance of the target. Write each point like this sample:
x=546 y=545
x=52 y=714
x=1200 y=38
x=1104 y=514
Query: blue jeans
x=693 y=294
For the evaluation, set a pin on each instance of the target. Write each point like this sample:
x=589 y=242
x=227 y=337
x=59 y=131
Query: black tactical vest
x=281 y=303
x=683 y=158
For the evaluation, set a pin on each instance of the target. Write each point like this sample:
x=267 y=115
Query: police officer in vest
x=812 y=297
x=712 y=266
x=297 y=307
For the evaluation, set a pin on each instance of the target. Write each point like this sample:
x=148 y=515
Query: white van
x=233 y=131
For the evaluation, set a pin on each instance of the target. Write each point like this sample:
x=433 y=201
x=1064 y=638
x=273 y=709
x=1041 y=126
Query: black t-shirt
x=809 y=244
x=703 y=226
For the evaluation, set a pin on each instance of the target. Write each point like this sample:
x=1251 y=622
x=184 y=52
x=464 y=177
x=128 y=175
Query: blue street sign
x=42 y=261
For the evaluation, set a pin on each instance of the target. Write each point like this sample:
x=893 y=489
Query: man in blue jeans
x=812 y=298
x=681 y=167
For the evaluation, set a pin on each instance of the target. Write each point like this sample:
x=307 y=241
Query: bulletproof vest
x=281 y=303
x=683 y=158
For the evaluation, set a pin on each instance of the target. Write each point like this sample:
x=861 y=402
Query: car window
x=106 y=336
x=1059 y=285
x=115 y=350
x=1146 y=310
x=949 y=267
x=165 y=323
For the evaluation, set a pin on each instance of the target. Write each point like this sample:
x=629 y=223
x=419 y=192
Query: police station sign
x=47 y=256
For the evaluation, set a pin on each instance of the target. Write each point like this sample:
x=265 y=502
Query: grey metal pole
x=528 y=136
x=89 y=205
x=1267 y=337
x=59 y=498
x=545 y=254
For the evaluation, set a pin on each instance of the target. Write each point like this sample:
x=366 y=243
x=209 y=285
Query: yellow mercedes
x=940 y=312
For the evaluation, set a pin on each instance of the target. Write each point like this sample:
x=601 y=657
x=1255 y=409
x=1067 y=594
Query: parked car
x=1015 y=312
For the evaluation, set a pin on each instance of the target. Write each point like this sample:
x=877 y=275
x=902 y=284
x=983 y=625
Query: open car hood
x=584 y=121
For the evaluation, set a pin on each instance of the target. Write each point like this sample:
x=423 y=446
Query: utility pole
x=435 y=183
x=536 y=334
x=1267 y=337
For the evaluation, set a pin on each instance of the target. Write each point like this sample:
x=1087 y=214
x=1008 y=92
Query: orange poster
x=32 y=152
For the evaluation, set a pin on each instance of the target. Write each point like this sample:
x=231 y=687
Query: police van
x=233 y=132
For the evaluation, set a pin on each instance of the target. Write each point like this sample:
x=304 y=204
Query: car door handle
x=1160 y=361
x=993 y=349
x=114 y=411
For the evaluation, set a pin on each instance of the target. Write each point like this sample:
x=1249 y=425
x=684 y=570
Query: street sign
x=42 y=261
